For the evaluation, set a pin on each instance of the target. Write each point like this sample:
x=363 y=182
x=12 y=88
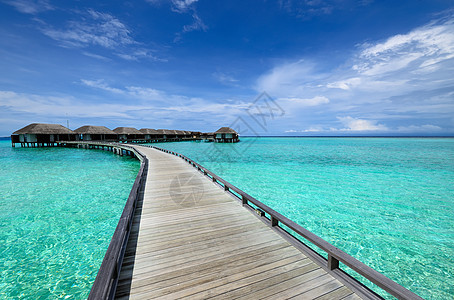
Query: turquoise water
x=389 y=202
x=59 y=209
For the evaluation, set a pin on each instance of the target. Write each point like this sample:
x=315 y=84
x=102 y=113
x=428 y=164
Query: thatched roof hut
x=91 y=129
x=148 y=131
x=167 y=133
x=179 y=133
x=95 y=133
x=150 y=134
x=226 y=135
x=39 y=128
x=129 y=134
x=127 y=130
x=226 y=130
x=38 y=134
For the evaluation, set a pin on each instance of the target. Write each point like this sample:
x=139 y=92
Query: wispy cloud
x=196 y=25
x=93 y=29
x=306 y=9
x=98 y=29
x=185 y=7
x=179 y=103
x=225 y=78
x=182 y=6
x=32 y=7
x=101 y=84
x=141 y=53
x=317 y=100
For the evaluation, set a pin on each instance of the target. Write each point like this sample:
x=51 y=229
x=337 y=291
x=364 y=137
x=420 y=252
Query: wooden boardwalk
x=191 y=239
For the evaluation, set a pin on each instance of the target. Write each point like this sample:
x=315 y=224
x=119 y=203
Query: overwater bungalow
x=187 y=135
x=167 y=134
x=42 y=135
x=96 y=133
x=150 y=134
x=196 y=134
x=180 y=134
x=226 y=135
x=207 y=136
x=129 y=134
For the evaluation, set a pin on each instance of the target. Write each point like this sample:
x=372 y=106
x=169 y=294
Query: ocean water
x=59 y=209
x=389 y=202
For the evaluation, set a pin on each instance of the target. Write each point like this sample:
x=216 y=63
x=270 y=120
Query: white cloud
x=354 y=124
x=30 y=6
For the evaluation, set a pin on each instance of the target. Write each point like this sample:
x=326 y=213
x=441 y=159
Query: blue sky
x=329 y=67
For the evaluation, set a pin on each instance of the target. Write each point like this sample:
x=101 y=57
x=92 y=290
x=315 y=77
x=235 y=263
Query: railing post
x=243 y=200
x=274 y=221
x=333 y=263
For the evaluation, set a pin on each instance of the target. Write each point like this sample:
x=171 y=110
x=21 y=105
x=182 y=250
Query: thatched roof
x=207 y=133
x=37 y=128
x=127 y=130
x=90 y=129
x=148 y=131
x=179 y=132
x=226 y=130
x=165 y=131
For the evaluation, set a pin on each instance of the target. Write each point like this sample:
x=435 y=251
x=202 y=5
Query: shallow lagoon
x=59 y=209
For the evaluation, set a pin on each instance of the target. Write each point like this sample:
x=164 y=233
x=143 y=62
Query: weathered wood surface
x=191 y=239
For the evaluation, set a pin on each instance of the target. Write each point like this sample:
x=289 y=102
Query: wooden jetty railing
x=335 y=255
x=107 y=278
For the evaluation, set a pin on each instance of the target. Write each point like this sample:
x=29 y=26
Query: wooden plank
x=297 y=290
x=281 y=286
x=340 y=293
x=262 y=255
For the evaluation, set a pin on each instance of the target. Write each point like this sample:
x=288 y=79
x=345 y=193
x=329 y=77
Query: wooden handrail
x=335 y=255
